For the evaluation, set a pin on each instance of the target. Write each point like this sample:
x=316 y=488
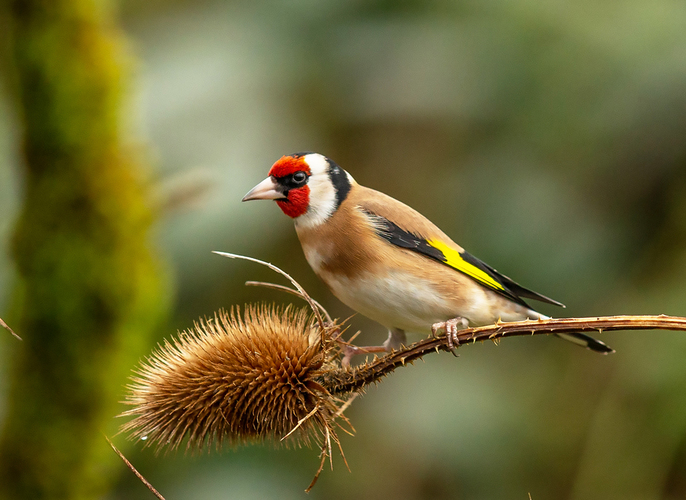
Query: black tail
x=585 y=341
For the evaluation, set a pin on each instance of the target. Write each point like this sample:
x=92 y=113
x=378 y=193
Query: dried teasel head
x=234 y=379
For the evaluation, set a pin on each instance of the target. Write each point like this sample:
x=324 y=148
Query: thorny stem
x=355 y=379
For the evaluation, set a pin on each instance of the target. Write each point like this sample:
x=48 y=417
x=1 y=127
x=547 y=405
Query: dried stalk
x=135 y=471
x=300 y=289
x=297 y=293
x=6 y=327
x=355 y=379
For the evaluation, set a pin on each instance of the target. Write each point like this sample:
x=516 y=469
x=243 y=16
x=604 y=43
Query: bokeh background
x=548 y=138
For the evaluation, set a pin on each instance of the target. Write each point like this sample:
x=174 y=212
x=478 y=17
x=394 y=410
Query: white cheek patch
x=322 y=202
x=322 y=193
x=317 y=163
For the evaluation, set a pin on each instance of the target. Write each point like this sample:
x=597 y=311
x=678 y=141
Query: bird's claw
x=451 y=329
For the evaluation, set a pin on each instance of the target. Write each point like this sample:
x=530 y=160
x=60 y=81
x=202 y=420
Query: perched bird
x=387 y=261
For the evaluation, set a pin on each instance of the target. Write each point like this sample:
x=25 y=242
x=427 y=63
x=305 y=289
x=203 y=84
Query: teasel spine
x=233 y=378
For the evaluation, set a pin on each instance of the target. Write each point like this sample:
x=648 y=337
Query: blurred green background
x=548 y=138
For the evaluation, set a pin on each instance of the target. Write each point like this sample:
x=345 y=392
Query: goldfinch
x=387 y=261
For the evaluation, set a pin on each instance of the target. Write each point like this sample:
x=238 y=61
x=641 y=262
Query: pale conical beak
x=265 y=190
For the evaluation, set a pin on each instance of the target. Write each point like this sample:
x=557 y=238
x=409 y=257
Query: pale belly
x=399 y=300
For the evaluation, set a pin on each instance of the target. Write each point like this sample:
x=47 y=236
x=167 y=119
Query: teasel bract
x=239 y=378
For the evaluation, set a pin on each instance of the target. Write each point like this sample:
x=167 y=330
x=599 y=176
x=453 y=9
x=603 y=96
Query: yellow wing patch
x=454 y=259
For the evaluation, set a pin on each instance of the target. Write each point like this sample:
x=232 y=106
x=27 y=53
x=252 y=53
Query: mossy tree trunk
x=90 y=290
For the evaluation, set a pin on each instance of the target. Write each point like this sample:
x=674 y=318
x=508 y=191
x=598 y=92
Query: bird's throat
x=297 y=202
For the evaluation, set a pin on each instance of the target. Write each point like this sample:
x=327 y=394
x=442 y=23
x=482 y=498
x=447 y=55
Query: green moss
x=90 y=291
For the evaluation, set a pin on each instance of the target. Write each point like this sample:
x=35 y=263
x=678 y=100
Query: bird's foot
x=451 y=329
x=351 y=350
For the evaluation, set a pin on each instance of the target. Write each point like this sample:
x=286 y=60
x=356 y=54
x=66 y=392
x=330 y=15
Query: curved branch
x=282 y=288
x=283 y=273
x=355 y=379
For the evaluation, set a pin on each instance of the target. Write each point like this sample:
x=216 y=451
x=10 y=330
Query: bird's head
x=308 y=187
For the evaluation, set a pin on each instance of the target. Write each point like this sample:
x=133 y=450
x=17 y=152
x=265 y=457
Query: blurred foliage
x=547 y=138
x=88 y=289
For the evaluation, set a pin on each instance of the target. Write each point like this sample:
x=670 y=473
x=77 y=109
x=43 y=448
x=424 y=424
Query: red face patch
x=287 y=165
x=299 y=198
x=297 y=202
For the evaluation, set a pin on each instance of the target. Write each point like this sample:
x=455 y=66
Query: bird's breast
x=394 y=299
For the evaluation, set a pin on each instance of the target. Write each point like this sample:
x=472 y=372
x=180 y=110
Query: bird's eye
x=299 y=177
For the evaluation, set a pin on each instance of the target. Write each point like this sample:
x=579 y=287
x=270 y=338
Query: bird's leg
x=352 y=350
x=396 y=338
x=451 y=328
